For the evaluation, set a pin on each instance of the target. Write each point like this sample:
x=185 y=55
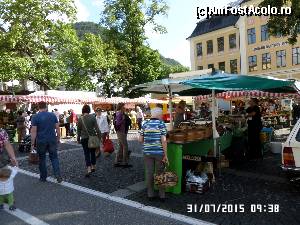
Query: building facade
x=247 y=47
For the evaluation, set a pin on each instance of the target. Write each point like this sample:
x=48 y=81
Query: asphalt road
x=55 y=204
x=260 y=182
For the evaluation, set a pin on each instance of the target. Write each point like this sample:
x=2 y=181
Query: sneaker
x=59 y=179
x=126 y=166
x=1 y=206
x=162 y=200
x=151 y=199
x=43 y=180
x=12 y=208
x=117 y=165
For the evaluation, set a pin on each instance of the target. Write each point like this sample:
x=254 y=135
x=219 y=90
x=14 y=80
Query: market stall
x=180 y=147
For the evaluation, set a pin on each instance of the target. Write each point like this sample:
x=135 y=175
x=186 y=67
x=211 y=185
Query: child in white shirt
x=7 y=175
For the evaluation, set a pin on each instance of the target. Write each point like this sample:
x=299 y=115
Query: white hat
x=156 y=112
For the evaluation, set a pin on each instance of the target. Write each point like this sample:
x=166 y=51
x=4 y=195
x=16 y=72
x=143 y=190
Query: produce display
x=190 y=132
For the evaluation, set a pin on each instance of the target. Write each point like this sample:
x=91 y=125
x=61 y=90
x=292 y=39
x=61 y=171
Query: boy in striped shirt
x=153 y=136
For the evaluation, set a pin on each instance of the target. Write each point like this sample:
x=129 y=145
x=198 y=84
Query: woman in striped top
x=153 y=136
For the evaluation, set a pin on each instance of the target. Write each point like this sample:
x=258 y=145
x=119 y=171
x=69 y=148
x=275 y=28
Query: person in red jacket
x=73 y=122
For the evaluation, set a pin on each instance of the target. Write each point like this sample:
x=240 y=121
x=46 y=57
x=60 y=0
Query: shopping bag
x=33 y=157
x=94 y=142
x=108 y=146
x=166 y=179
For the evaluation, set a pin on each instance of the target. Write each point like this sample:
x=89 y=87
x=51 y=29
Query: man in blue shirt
x=45 y=133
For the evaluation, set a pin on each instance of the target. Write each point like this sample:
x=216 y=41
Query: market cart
x=191 y=151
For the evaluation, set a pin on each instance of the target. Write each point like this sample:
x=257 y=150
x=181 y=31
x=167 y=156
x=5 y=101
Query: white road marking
x=24 y=216
x=57 y=216
x=127 y=202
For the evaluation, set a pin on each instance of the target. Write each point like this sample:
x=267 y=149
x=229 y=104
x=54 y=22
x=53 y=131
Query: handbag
x=166 y=179
x=108 y=146
x=4 y=159
x=94 y=141
x=33 y=157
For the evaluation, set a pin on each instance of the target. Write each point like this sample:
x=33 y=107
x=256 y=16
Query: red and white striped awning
x=116 y=100
x=36 y=99
x=9 y=98
x=256 y=94
x=58 y=100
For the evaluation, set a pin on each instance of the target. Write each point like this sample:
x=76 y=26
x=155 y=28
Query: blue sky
x=180 y=23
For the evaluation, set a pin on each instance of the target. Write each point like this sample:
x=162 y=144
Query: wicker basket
x=179 y=137
x=200 y=134
x=166 y=179
x=208 y=132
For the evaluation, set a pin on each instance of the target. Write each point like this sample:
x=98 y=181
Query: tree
x=286 y=25
x=33 y=33
x=91 y=59
x=88 y=27
x=125 y=22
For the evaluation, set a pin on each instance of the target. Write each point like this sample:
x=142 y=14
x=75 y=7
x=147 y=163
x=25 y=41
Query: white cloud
x=82 y=12
x=181 y=53
x=150 y=33
x=98 y=3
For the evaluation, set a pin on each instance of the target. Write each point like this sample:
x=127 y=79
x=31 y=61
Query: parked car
x=291 y=153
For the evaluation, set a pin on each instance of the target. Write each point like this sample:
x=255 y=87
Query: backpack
x=127 y=122
x=117 y=128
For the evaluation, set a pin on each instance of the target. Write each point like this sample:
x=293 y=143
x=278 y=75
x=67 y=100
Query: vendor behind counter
x=179 y=113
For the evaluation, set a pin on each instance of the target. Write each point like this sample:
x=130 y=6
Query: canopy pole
x=170 y=108
x=214 y=126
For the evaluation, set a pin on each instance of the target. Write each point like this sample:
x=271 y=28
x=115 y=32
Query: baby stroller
x=25 y=144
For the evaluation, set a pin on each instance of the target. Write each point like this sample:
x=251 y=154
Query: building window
x=232 y=41
x=296 y=56
x=233 y=66
x=222 y=66
x=264 y=33
x=210 y=66
x=210 y=47
x=199 y=49
x=220 y=44
x=251 y=36
x=200 y=68
x=266 y=61
x=252 y=62
x=281 y=58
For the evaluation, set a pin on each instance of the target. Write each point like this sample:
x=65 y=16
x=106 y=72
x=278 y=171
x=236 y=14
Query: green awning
x=230 y=82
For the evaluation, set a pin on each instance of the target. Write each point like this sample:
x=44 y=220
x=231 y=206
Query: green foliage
x=38 y=42
x=169 y=61
x=88 y=27
x=125 y=22
x=30 y=38
x=90 y=58
x=167 y=69
x=289 y=25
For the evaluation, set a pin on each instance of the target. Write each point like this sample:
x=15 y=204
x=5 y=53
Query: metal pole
x=170 y=108
x=214 y=126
